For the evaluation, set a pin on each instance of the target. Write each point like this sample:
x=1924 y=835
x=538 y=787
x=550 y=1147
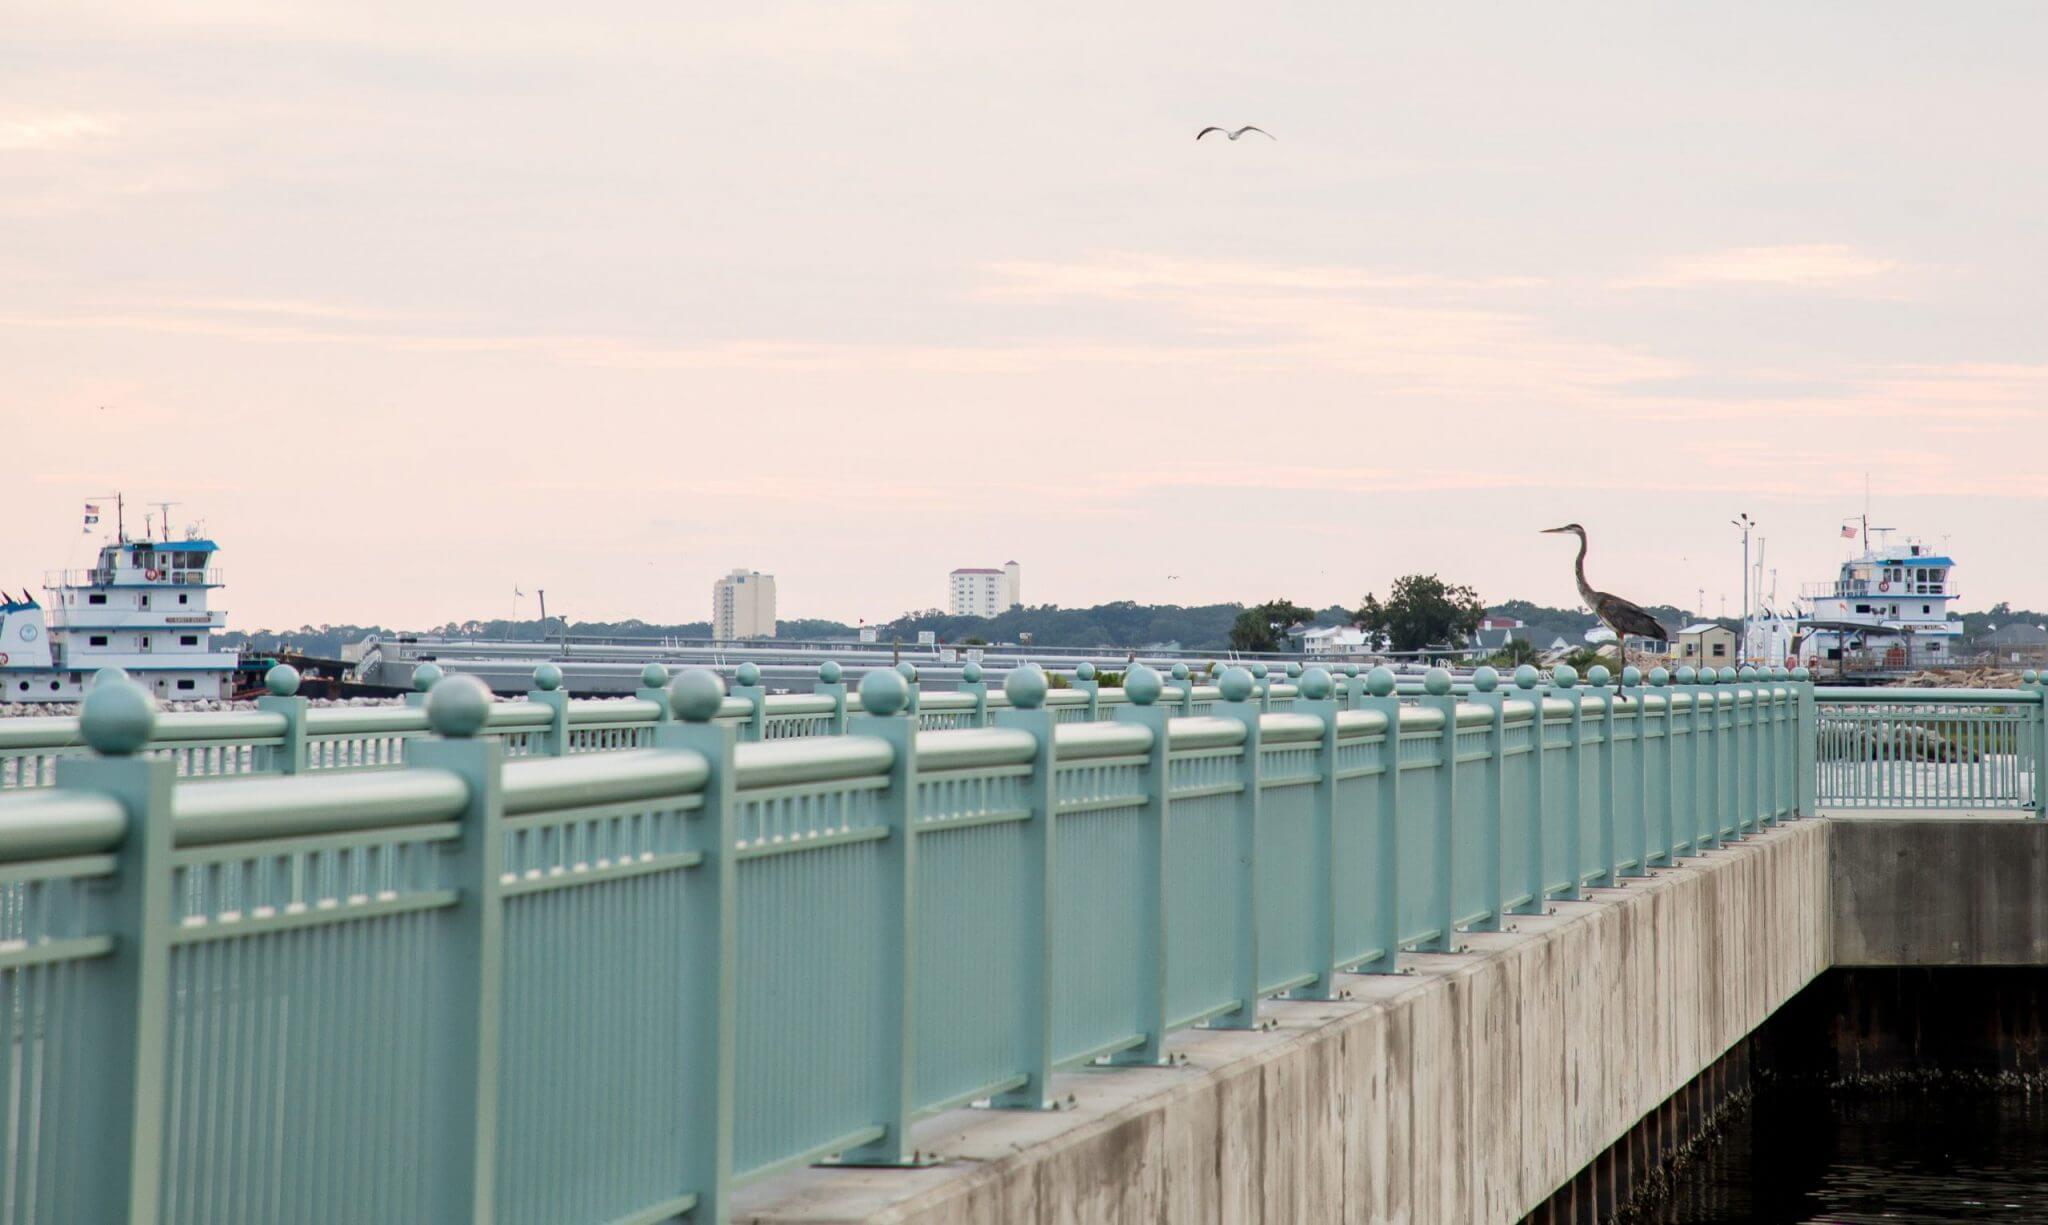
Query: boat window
x=181 y=597
x=1927 y=608
x=96 y=598
x=188 y=640
x=97 y=640
x=184 y=684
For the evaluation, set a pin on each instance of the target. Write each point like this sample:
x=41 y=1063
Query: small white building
x=743 y=606
x=980 y=591
x=1337 y=640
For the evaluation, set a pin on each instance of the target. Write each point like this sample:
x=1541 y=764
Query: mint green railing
x=1975 y=750
x=287 y=736
x=614 y=986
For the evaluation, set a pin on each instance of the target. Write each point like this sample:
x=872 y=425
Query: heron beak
x=1552 y=531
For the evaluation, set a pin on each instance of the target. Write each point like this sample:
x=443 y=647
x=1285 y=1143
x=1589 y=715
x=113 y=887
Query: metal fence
x=605 y=987
x=1973 y=750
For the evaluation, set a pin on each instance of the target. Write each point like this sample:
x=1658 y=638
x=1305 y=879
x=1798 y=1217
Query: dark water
x=1802 y=1155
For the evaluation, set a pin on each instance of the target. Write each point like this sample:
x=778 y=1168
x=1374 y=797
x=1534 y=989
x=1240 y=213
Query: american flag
x=92 y=513
x=1848 y=533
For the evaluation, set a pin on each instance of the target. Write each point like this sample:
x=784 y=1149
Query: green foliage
x=1585 y=657
x=1263 y=627
x=1517 y=652
x=1423 y=611
x=1058 y=680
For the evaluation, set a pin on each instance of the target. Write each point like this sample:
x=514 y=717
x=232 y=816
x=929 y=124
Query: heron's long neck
x=1585 y=588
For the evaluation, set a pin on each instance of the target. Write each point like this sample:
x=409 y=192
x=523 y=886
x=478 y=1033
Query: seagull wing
x=1205 y=131
x=1249 y=128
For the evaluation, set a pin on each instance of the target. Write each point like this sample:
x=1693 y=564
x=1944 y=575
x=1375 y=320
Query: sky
x=412 y=305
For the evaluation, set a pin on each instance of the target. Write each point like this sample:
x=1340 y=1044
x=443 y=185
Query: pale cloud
x=53 y=130
x=1808 y=266
x=1135 y=275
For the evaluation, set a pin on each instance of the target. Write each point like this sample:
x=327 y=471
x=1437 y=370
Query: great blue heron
x=1625 y=619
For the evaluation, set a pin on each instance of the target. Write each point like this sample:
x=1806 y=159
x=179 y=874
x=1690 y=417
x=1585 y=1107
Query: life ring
x=1884 y=584
x=3 y=658
x=153 y=574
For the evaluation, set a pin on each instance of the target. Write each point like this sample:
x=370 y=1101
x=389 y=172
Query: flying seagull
x=1234 y=135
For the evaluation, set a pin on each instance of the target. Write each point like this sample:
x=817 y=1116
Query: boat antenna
x=164 y=520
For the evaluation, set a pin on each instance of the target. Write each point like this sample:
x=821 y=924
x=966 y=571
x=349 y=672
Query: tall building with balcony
x=743 y=605
x=974 y=591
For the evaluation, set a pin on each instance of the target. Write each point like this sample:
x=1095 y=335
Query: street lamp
x=1744 y=522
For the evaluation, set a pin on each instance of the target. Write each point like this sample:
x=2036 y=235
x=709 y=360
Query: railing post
x=831 y=683
x=1748 y=758
x=1263 y=680
x=1354 y=688
x=1380 y=698
x=1026 y=688
x=424 y=678
x=750 y=690
x=1564 y=680
x=1664 y=831
x=1713 y=753
x=971 y=681
x=887 y=697
x=1807 y=736
x=1730 y=777
x=711 y=921
x=547 y=691
x=457 y=710
x=126 y=1031
x=2041 y=751
x=912 y=708
x=654 y=688
x=1315 y=687
x=1603 y=779
x=1486 y=692
x=289 y=757
x=1236 y=688
x=1183 y=688
x=1084 y=680
x=1437 y=696
x=1141 y=710
x=1635 y=781
x=1535 y=829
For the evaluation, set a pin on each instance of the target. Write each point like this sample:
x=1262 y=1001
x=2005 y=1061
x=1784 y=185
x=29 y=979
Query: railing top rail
x=1082 y=741
x=40 y=732
x=1851 y=695
x=364 y=720
x=816 y=759
x=553 y=783
x=1284 y=728
x=1204 y=732
x=51 y=824
x=616 y=710
x=209 y=813
x=969 y=748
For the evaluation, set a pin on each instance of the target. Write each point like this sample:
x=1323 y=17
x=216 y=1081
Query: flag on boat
x=92 y=513
x=1848 y=533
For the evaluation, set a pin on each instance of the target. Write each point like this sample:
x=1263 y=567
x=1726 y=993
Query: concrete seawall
x=1920 y=892
x=1465 y=1091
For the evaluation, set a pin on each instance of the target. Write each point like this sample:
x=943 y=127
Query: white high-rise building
x=978 y=591
x=743 y=605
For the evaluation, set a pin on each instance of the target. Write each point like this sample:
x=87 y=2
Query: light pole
x=1744 y=522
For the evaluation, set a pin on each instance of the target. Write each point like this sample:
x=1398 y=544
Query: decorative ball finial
x=1485 y=679
x=1802 y=673
x=1025 y=687
x=282 y=680
x=1436 y=682
x=1564 y=676
x=748 y=673
x=425 y=677
x=653 y=676
x=1631 y=676
x=884 y=691
x=697 y=695
x=1659 y=677
x=829 y=672
x=2030 y=676
x=1380 y=682
x=1597 y=676
x=1727 y=676
x=458 y=707
x=1180 y=672
x=1687 y=674
x=1316 y=684
x=1526 y=676
x=1350 y=670
x=547 y=677
x=970 y=672
x=1235 y=684
x=1258 y=672
x=1709 y=677
x=906 y=670
x=108 y=674
x=117 y=717
x=1142 y=685
x=1746 y=673
x=1293 y=670
x=1084 y=671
